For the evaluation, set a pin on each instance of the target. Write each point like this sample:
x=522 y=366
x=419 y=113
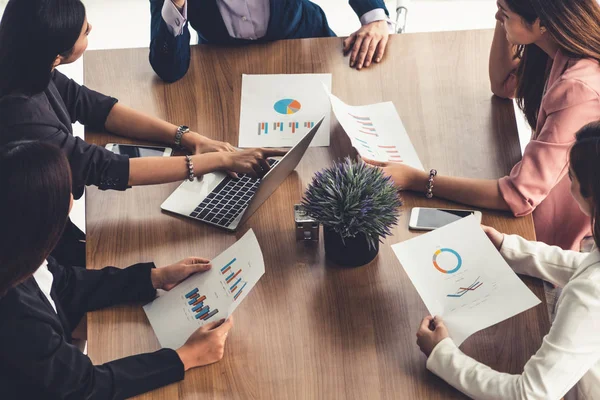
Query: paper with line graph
x=207 y=296
x=376 y=132
x=461 y=277
x=278 y=110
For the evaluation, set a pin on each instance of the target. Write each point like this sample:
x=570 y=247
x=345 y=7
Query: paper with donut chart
x=278 y=110
x=461 y=277
x=207 y=296
x=376 y=132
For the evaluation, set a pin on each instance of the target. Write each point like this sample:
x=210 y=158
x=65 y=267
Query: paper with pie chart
x=207 y=296
x=461 y=277
x=376 y=132
x=277 y=110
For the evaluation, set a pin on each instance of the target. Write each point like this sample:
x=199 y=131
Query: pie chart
x=287 y=106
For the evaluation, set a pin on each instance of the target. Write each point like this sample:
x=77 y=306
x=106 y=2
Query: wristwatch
x=181 y=130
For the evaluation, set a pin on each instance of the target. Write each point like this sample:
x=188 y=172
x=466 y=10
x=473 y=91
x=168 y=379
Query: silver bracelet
x=190 y=165
x=181 y=130
x=429 y=192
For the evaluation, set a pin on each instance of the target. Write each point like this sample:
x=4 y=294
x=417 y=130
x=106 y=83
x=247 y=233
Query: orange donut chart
x=447 y=271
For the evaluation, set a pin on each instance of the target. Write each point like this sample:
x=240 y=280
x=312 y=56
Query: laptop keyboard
x=225 y=203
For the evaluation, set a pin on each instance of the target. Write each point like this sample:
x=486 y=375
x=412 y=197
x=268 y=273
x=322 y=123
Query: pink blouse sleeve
x=569 y=106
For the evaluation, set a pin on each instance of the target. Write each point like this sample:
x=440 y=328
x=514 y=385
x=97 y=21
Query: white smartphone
x=428 y=219
x=139 y=151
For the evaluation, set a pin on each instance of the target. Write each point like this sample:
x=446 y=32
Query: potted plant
x=357 y=205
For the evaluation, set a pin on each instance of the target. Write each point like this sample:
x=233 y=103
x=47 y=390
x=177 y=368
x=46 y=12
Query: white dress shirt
x=570 y=353
x=44 y=279
x=245 y=19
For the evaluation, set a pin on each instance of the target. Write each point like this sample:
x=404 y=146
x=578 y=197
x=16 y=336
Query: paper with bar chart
x=461 y=277
x=277 y=110
x=207 y=296
x=376 y=132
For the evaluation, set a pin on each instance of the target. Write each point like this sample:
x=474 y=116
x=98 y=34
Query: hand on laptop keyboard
x=252 y=162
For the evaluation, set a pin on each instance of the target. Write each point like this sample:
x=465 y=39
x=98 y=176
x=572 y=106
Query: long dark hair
x=34 y=206
x=32 y=34
x=575 y=27
x=585 y=164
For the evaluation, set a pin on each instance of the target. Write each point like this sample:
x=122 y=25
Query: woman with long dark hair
x=37 y=102
x=41 y=301
x=546 y=53
x=570 y=353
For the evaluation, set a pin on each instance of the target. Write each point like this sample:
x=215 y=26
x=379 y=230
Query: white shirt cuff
x=435 y=361
x=377 y=14
x=174 y=19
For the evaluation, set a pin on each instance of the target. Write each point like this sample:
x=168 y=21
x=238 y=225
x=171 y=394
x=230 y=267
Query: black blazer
x=37 y=360
x=49 y=116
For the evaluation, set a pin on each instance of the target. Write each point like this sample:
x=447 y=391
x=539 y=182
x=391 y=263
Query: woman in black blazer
x=37 y=102
x=41 y=301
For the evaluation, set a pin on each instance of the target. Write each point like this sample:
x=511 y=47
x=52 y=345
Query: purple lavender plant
x=352 y=198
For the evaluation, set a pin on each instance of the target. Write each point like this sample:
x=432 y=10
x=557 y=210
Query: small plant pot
x=352 y=252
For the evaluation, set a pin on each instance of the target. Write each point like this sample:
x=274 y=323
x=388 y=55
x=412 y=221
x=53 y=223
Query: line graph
x=464 y=290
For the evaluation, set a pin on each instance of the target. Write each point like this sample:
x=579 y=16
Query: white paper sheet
x=277 y=110
x=177 y=314
x=461 y=277
x=376 y=132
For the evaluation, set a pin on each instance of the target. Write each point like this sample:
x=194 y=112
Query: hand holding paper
x=376 y=132
x=207 y=297
x=461 y=277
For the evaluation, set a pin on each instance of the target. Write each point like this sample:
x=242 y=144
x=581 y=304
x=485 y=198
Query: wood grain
x=310 y=330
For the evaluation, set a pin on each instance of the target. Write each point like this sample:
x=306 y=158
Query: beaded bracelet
x=429 y=192
x=190 y=165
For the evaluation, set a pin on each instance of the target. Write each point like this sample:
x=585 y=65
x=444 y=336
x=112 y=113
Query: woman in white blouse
x=570 y=354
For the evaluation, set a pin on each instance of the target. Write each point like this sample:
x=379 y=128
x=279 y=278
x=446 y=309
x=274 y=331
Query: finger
x=200 y=267
x=355 y=49
x=362 y=54
x=264 y=164
x=258 y=170
x=233 y=174
x=425 y=324
x=197 y=260
x=212 y=325
x=438 y=321
x=371 y=52
x=348 y=42
x=375 y=163
x=273 y=152
x=249 y=170
x=381 y=49
x=226 y=325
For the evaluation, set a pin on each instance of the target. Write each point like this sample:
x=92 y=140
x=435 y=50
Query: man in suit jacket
x=229 y=22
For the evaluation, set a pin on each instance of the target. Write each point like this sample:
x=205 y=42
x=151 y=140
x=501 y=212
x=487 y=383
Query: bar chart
x=392 y=153
x=365 y=125
x=199 y=309
x=234 y=282
x=291 y=127
x=366 y=146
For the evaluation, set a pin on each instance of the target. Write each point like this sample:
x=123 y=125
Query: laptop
x=220 y=200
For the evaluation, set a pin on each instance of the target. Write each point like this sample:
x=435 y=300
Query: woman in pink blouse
x=547 y=57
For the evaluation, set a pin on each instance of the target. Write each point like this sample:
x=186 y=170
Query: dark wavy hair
x=34 y=207
x=575 y=27
x=32 y=34
x=585 y=164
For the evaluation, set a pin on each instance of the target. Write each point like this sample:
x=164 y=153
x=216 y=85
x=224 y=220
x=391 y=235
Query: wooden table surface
x=310 y=330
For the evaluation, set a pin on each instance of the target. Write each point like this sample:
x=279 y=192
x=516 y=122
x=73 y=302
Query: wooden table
x=309 y=330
